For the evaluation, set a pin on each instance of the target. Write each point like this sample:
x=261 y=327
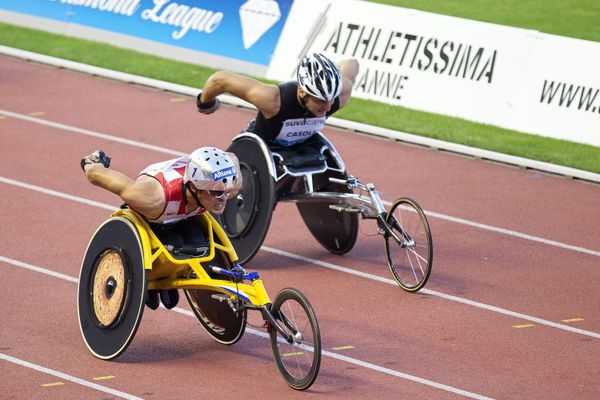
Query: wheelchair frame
x=395 y=228
x=368 y=207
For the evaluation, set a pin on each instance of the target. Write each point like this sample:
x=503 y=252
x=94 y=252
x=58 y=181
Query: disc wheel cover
x=112 y=288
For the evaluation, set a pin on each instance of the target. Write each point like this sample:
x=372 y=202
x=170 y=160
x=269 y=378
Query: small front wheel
x=408 y=246
x=298 y=361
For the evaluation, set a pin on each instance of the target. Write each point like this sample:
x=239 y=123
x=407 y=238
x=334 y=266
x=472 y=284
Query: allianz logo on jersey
x=223 y=173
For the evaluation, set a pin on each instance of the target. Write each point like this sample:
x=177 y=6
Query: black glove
x=97 y=156
x=209 y=107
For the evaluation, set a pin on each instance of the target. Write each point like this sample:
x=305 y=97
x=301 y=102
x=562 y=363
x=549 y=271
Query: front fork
x=239 y=274
x=296 y=336
x=385 y=229
x=389 y=230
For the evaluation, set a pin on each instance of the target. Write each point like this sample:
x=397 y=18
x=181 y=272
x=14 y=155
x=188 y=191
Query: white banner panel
x=558 y=90
x=509 y=77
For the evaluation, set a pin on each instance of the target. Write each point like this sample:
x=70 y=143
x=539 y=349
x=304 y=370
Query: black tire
x=214 y=311
x=247 y=216
x=334 y=230
x=409 y=265
x=297 y=365
x=112 y=288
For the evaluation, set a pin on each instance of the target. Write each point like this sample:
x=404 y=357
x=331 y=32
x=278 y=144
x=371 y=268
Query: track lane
x=280 y=271
x=169 y=344
x=371 y=260
x=418 y=328
x=164 y=349
x=109 y=194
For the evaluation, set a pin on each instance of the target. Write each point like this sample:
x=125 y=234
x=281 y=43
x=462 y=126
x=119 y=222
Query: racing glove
x=97 y=156
x=208 y=107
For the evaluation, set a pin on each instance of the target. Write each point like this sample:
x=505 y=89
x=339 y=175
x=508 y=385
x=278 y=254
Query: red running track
x=511 y=311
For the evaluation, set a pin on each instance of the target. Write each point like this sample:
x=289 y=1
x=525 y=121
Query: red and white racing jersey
x=170 y=175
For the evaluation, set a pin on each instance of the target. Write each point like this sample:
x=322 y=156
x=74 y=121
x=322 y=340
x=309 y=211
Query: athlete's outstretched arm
x=263 y=96
x=144 y=194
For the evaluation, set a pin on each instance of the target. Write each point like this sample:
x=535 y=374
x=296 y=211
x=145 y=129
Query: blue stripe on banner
x=246 y=30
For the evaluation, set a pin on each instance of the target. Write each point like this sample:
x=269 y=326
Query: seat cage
x=166 y=271
x=295 y=166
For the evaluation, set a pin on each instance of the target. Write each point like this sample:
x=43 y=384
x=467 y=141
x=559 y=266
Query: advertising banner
x=421 y=60
x=508 y=77
x=246 y=30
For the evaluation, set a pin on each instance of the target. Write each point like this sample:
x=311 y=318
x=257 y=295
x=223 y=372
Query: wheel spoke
x=412 y=267
x=417 y=255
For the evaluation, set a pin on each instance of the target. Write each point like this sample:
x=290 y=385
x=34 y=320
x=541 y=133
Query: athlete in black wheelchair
x=285 y=157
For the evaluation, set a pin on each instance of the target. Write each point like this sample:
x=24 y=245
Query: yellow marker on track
x=572 y=320
x=342 y=348
x=523 y=326
x=52 y=384
x=104 y=378
x=36 y=113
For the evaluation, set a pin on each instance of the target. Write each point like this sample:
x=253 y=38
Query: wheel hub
x=109 y=288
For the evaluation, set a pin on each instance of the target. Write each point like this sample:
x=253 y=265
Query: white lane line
x=339 y=357
x=87 y=132
x=441 y=295
x=512 y=233
x=335 y=267
x=178 y=153
x=41 y=270
x=61 y=195
x=69 y=378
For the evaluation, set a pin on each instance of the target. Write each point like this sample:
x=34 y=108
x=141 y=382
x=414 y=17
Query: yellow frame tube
x=166 y=272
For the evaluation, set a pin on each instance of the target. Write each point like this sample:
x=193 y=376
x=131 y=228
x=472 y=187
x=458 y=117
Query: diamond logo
x=257 y=17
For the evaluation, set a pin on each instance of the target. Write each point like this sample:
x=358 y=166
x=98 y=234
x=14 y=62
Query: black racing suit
x=293 y=124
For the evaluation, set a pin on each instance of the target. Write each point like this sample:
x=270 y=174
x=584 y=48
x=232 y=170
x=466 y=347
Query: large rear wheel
x=247 y=216
x=336 y=231
x=112 y=288
x=221 y=317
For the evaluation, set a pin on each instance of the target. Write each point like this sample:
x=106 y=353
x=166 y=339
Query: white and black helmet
x=319 y=77
x=209 y=168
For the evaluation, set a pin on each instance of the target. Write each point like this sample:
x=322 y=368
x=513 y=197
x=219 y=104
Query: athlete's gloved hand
x=97 y=156
x=208 y=107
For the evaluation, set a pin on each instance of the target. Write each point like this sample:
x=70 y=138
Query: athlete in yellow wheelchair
x=164 y=239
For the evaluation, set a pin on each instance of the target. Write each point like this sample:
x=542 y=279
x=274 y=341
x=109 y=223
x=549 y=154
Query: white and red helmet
x=319 y=77
x=209 y=168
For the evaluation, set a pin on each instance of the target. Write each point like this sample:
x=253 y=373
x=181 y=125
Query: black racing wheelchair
x=313 y=175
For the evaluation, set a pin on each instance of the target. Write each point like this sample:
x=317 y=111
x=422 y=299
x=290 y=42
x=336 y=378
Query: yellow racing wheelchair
x=125 y=258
